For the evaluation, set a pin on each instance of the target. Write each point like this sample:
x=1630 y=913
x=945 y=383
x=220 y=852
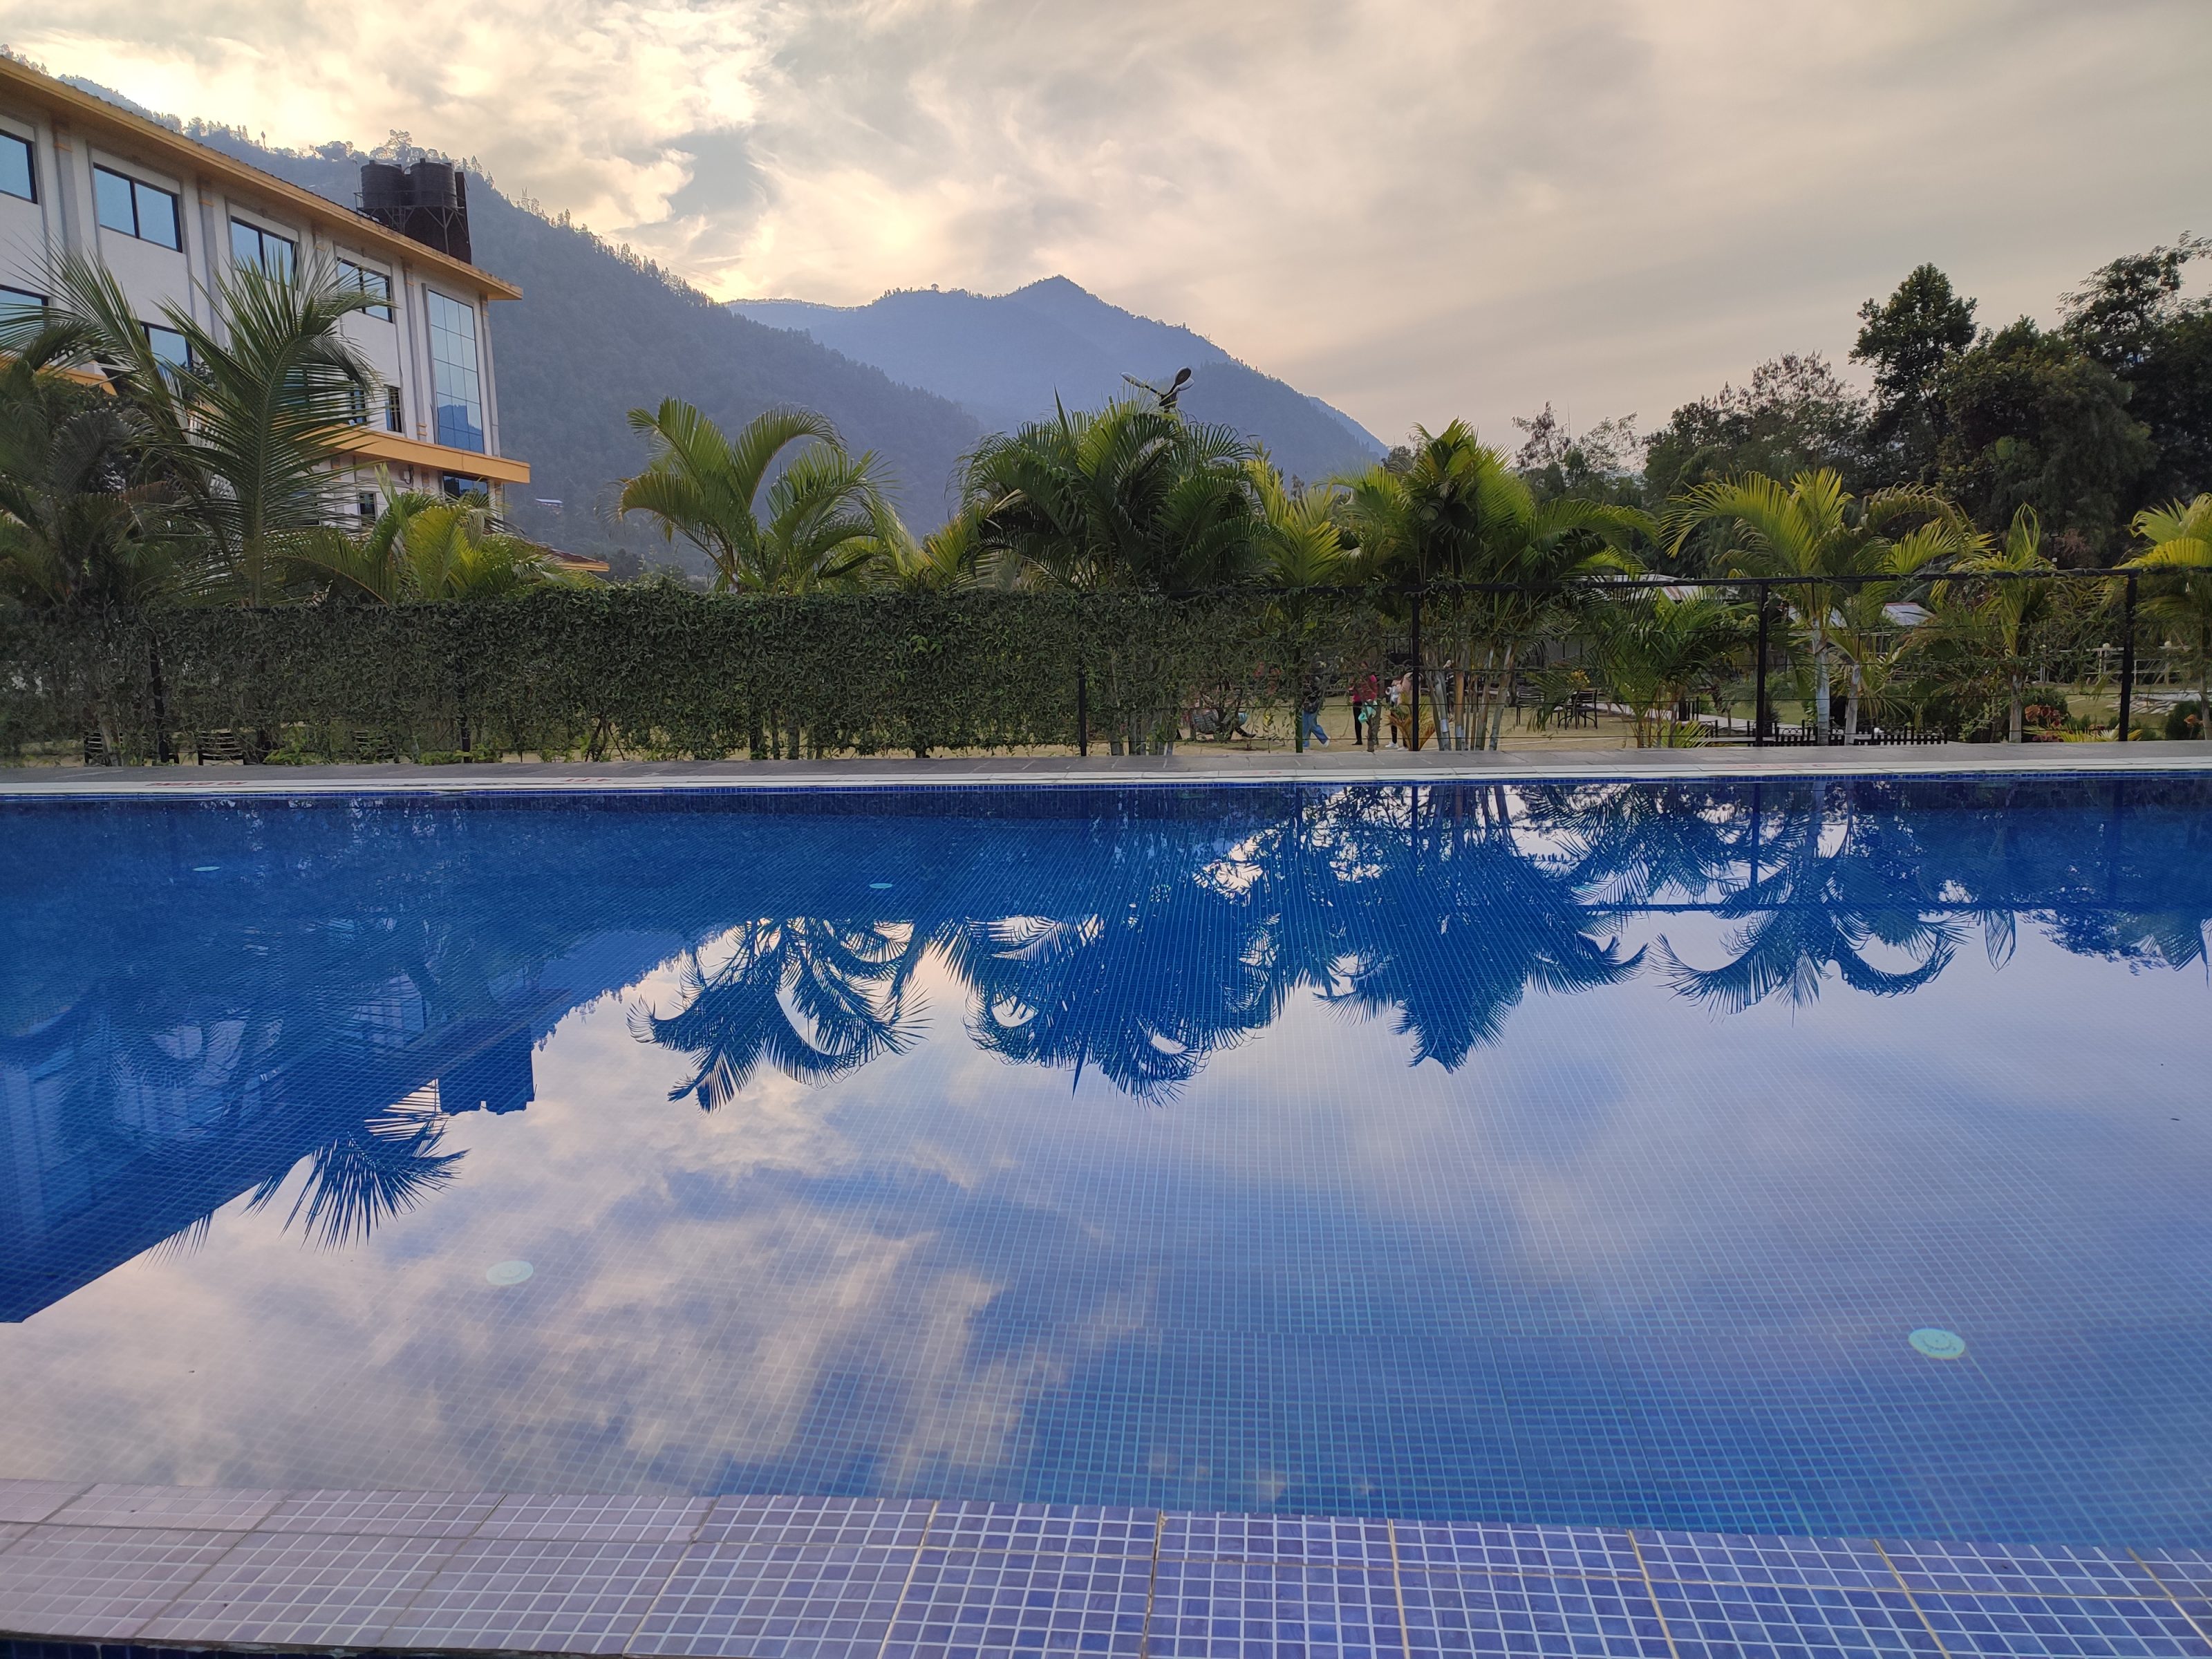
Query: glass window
x=111 y=195
x=169 y=346
x=395 y=417
x=455 y=385
x=17 y=176
x=15 y=301
x=250 y=244
x=374 y=283
x=144 y=210
x=461 y=487
x=367 y=505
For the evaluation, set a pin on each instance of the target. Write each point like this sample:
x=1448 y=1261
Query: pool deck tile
x=301 y=1590
x=100 y=1583
x=35 y=1500
x=2064 y=1627
x=393 y=1514
x=543 y=1595
x=199 y=1509
x=867 y=1578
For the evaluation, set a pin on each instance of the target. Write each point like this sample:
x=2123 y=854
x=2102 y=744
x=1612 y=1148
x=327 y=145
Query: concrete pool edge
x=852 y=1578
x=1186 y=768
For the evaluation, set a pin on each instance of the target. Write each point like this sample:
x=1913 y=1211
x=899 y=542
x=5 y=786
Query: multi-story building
x=167 y=216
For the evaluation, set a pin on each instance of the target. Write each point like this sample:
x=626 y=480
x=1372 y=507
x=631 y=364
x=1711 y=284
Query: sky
x=1415 y=210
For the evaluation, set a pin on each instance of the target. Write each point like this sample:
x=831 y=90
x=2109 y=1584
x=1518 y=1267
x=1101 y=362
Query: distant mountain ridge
x=1005 y=358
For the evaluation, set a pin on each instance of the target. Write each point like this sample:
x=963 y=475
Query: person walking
x=1311 y=696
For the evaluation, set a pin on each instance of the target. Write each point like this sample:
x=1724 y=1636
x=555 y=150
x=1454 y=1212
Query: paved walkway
x=859 y=1578
x=1189 y=765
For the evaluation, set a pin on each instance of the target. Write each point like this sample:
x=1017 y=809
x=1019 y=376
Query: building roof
x=96 y=116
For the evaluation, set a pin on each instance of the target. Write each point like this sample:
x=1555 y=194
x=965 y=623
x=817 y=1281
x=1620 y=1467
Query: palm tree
x=951 y=558
x=1662 y=651
x=1300 y=541
x=1813 y=527
x=2180 y=554
x=1130 y=497
x=814 y=522
x=2000 y=620
x=433 y=547
x=73 y=510
x=243 y=434
x=1459 y=513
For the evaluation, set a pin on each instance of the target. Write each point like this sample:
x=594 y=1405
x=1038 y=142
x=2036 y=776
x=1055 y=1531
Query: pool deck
x=1187 y=766
x=856 y=1578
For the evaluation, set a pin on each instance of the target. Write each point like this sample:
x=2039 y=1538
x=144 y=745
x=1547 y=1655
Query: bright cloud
x=1414 y=210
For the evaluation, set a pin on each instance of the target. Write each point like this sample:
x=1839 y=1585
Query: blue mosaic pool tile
x=777 y=1602
x=383 y=1514
x=1739 y=1558
x=100 y=1583
x=1470 y=1546
x=597 y=1518
x=880 y=1522
x=1260 y=1609
x=1530 y=1613
x=34 y=1500
x=967 y=1604
x=1971 y=1568
x=1318 y=1542
x=200 y=1509
x=540 y=1595
x=1052 y=1528
x=2062 y=1627
x=1790 y=1622
x=292 y=1590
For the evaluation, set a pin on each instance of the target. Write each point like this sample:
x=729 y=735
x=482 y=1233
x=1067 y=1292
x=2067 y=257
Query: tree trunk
x=1504 y=696
x=1852 y=710
x=2017 y=722
x=1819 y=686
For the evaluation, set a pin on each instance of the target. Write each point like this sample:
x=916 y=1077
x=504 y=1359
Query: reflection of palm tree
x=370 y=1172
x=815 y=998
x=1819 y=910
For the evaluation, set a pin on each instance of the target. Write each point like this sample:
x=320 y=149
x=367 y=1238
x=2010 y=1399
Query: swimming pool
x=1785 y=1157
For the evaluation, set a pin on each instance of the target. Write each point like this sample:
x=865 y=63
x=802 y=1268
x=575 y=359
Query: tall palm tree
x=950 y=558
x=1813 y=527
x=2180 y=555
x=433 y=547
x=1131 y=496
x=812 y=523
x=1661 y=651
x=244 y=432
x=1459 y=513
x=1300 y=541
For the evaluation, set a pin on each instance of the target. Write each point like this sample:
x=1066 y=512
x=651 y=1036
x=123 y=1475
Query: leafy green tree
x=243 y=434
x=1797 y=415
x=1601 y=464
x=2031 y=419
x=2132 y=317
x=1997 y=619
x=2179 y=564
x=1909 y=339
x=950 y=558
x=1661 y=651
x=812 y=523
x=1129 y=496
x=1813 y=527
x=433 y=547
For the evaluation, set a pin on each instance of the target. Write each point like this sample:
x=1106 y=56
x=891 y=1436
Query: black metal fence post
x=1415 y=677
x=2128 y=657
x=1759 y=696
x=1082 y=711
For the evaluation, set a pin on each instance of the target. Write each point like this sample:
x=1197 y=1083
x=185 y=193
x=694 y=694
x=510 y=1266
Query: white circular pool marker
x=1938 y=1345
x=508 y=1272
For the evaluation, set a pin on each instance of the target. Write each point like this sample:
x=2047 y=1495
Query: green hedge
x=664 y=671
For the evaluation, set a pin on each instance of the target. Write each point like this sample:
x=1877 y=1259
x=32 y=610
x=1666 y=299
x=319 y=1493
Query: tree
x=74 y=512
x=950 y=558
x=2032 y=420
x=1662 y=652
x=1131 y=496
x=2179 y=560
x=1300 y=539
x=2132 y=318
x=1797 y=415
x=1813 y=527
x=815 y=522
x=1910 y=340
x=2000 y=616
x=433 y=547
x=242 y=434
x=1601 y=464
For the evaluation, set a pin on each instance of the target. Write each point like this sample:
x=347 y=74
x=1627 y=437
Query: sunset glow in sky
x=1414 y=210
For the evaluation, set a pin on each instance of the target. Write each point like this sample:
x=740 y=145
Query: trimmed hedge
x=663 y=672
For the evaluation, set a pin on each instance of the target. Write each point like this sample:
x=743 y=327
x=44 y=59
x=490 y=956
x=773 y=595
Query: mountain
x=599 y=331
x=1004 y=357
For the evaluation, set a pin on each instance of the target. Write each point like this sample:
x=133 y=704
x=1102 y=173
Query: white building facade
x=168 y=216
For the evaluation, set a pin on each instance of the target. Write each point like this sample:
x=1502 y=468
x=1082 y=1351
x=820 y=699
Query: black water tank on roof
x=434 y=183
x=383 y=192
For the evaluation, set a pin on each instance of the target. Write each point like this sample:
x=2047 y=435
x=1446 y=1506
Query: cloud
x=1414 y=210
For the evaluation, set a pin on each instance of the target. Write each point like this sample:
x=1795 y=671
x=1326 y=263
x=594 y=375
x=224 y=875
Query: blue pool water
x=1792 y=1157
